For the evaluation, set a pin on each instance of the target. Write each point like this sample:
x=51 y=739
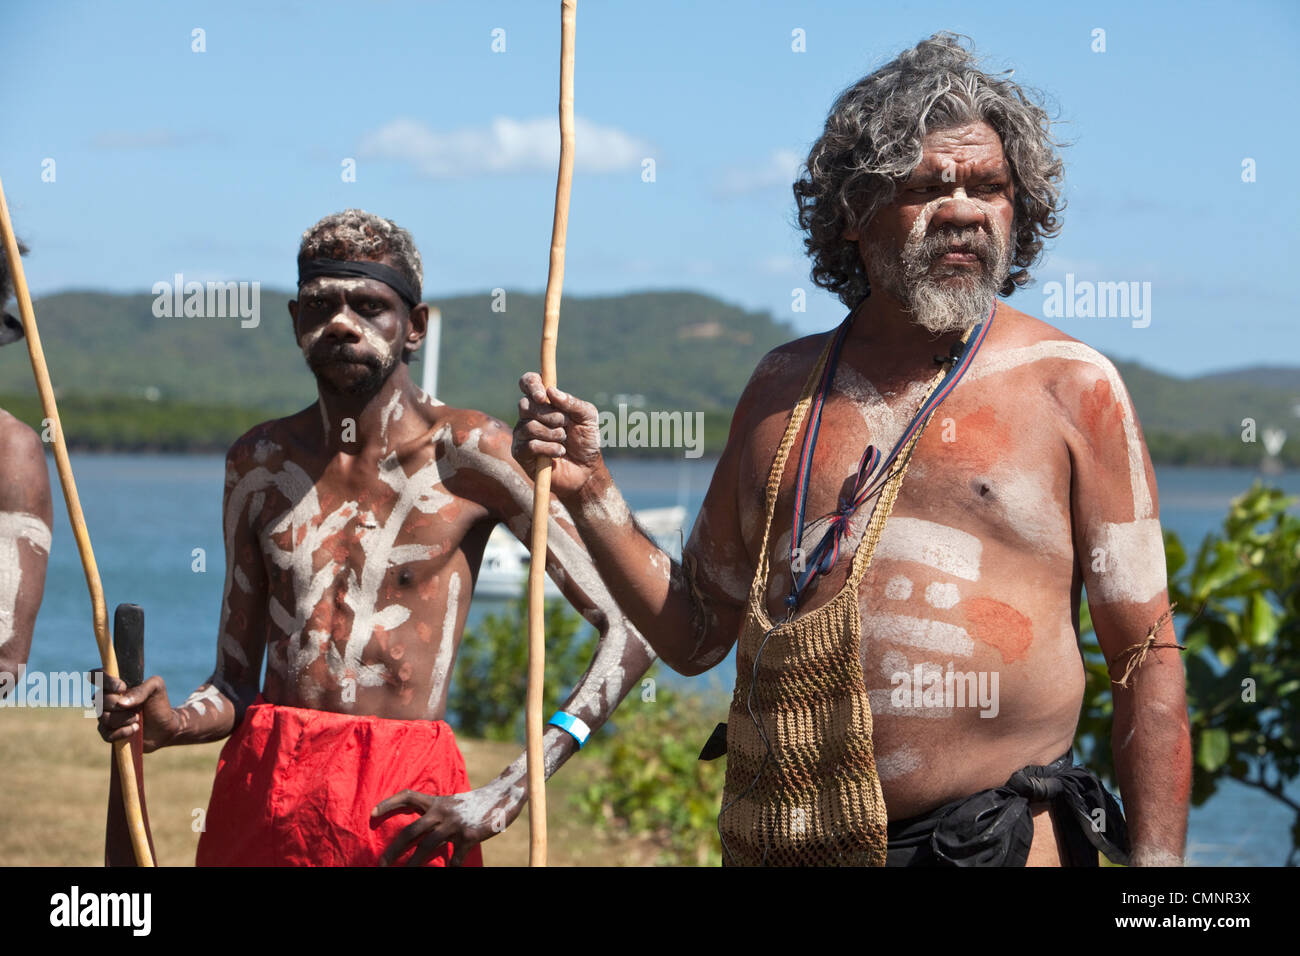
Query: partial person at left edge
x=26 y=517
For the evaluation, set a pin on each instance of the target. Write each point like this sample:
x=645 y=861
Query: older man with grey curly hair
x=354 y=533
x=909 y=675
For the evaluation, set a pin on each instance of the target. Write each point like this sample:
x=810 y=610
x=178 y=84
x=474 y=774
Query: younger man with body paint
x=354 y=532
x=26 y=517
x=927 y=196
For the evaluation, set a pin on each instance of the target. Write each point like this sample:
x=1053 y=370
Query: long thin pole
x=121 y=748
x=542 y=488
x=432 y=346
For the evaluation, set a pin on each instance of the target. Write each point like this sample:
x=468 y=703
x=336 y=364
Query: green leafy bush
x=653 y=782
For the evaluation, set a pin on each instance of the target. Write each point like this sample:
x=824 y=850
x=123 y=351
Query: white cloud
x=503 y=146
x=780 y=169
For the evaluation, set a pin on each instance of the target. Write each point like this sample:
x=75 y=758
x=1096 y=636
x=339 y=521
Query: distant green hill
x=1272 y=376
x=137 y=381
x=1214 y=403
x=680 y=350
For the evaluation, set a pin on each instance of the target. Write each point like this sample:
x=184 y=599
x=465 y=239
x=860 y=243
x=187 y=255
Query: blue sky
x=211 y=164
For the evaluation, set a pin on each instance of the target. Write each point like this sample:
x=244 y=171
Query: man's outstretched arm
x=1120 y=553
x=217 y=706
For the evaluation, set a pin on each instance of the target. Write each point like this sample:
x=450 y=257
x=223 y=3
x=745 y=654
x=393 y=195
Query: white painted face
x=332 y=288
x=942 y=298
x=368 y=329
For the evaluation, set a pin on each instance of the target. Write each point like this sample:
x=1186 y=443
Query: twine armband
x=1137 y=653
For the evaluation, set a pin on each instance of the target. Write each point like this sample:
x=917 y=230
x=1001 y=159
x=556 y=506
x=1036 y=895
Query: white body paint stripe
x=19 y=524
x=197 y=700
x=934 y=545
x=898 y=588
x=446 y=650
x=897 y=763
x=919 y=632
x=1134 y=555
x=882 y=705
x=15 y=525
x=942 y=594
x=392 y=412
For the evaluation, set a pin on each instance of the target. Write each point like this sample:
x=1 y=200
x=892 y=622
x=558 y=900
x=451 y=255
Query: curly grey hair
x=872 y=143
x=357 y=234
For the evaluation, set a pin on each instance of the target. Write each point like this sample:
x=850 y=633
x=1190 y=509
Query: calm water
x=148 y=514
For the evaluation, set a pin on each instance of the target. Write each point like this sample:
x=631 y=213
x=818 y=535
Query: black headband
x=313 y=268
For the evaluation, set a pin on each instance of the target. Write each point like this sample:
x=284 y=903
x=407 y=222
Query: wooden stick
x=128 y=646
x=542 y=487
x=121 y=748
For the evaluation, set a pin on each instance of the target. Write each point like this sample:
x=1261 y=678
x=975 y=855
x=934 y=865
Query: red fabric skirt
x=295 y=787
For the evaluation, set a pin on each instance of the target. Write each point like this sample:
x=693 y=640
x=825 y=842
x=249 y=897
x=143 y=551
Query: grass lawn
x=54 y=795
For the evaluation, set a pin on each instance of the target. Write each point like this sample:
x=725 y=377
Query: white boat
x=504 y=571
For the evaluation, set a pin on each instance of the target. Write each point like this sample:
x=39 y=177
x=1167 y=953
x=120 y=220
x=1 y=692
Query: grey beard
x=935 y=303
x=945 y=308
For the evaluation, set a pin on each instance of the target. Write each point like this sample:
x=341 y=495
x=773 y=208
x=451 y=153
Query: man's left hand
x=464 y=820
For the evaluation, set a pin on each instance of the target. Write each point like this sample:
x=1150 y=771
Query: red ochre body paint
x=979 y=438
x=1001 y=626
x=1100 y=412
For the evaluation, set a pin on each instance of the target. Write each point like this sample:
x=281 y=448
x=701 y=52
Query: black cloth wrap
x=995 y=828
x=390 y=277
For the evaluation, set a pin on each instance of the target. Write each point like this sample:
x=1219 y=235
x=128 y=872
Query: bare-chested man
x=926 y=197
x=354 y=532
x=26 y=517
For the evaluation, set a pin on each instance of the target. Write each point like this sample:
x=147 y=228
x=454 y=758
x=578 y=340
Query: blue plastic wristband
x=575 y=727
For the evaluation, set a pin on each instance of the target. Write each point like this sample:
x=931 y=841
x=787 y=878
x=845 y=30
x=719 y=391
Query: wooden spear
x=542 y=487
x=121 y=748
